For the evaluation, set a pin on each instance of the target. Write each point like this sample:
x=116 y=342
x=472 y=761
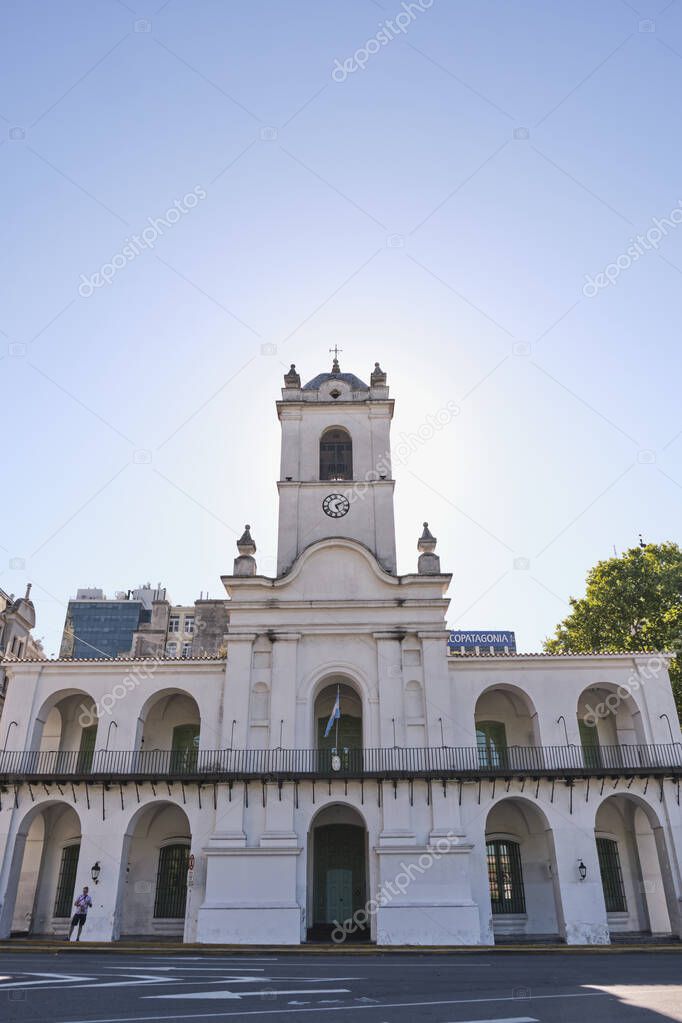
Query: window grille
x=505 y=877
x=611 y=876
x=171 y=882
x=66 y=880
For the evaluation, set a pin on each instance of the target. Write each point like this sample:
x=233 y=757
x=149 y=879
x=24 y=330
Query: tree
x=632 y=602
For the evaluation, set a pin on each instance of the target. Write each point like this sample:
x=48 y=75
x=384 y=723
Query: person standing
x=82 y=904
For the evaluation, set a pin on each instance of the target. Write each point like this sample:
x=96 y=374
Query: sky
x=482 y=196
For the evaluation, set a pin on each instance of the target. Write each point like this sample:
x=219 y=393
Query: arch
x=521 y=861
x=337 y=872
x=608 y=717
x=347 y=731
x=336 y=454
x=504 y=717
x=42 y=877
x=635 y=866
x=59 y=724
x=160 y=713
x=152 y=889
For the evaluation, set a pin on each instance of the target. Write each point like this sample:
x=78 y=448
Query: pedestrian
x=82 y=904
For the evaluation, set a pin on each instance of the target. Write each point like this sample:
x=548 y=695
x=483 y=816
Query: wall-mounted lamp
x=95 y=871
x=582 y=870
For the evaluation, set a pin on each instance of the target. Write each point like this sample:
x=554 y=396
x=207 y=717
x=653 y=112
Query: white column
x=437 y=690
x=283 y=689
x=582 y=911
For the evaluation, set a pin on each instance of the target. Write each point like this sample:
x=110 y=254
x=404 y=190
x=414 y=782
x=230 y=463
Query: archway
x=337 y=873
x=521 y=865
x=65 y=733
x=43 y=876
x=346 y=730
x=337 y=714
x=168 y=733
x=507 y=733
x=637 y=882
x=153 y=884
x=609 y=719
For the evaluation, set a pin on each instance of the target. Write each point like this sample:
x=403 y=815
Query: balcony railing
x=464 y=762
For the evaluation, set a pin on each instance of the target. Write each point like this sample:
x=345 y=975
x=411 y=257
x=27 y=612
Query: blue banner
x=498 y=640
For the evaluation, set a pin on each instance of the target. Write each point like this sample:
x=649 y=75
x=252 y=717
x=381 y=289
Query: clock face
x=335 y=505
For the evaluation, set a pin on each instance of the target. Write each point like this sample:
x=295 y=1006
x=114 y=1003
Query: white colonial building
x=456 y=800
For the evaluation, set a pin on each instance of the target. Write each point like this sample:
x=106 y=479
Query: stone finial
x=292 y=378
x=28 y=591
x=245 y=564
x=335 y=366
x=428 y=562
x=245 y=543
x=378 y=377
x=427 y=541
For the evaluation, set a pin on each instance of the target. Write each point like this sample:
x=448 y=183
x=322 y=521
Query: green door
x=87 y=749
x=339 y=881
x=589 y=740
x=185 y=749
x=491 y=740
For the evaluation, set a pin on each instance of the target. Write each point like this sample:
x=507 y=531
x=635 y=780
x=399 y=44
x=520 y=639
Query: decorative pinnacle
x=378 y=377
x=245 y=543
x=427 y=541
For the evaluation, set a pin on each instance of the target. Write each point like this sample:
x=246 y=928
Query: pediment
x=336 y=569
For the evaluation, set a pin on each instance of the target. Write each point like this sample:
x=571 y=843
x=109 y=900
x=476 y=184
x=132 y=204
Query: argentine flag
x=335 y=714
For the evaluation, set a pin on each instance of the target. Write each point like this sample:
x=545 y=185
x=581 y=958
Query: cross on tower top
x=335 y=365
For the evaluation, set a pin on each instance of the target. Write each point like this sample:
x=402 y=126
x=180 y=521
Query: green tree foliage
x=633 y=602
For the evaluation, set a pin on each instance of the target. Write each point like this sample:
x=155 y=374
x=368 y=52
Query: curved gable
x=337 y=569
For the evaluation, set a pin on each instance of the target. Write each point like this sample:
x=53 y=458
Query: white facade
x=445 y=769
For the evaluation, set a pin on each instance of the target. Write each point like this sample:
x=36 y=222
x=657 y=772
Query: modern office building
x=337 y=772
x=141 y=622
x=97 y=626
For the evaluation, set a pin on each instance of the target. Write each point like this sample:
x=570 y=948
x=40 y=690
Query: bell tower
x=335 y=474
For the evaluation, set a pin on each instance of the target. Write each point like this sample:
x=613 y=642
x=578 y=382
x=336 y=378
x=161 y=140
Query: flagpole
x=338 y=703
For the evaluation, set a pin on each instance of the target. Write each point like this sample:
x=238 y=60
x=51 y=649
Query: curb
x=119 y=948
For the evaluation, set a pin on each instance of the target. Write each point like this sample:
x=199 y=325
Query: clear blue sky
x=437 y=210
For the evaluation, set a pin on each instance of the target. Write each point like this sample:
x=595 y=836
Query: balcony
x=466 y=763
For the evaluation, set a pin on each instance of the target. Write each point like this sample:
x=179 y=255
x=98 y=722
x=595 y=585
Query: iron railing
x=395 y=762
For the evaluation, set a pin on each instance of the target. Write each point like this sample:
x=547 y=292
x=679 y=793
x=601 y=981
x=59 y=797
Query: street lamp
x=582 y=870
x=95 y=871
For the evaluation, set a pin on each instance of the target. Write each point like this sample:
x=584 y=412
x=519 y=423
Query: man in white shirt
x=82 y=904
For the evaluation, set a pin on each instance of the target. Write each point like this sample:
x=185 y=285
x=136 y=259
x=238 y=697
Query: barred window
x=336 y=455
x=171 y=882
x=611 y=876
x=505 y=877
x=66 y=881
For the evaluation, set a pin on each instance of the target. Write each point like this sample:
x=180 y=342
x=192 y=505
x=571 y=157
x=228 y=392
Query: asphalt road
x=92 y=987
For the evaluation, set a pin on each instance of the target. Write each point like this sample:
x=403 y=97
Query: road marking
x=227 y=959
x=330 y=1008
x=200 y=969
x=507 y=1019
x=265 y=993
x=59 y=978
